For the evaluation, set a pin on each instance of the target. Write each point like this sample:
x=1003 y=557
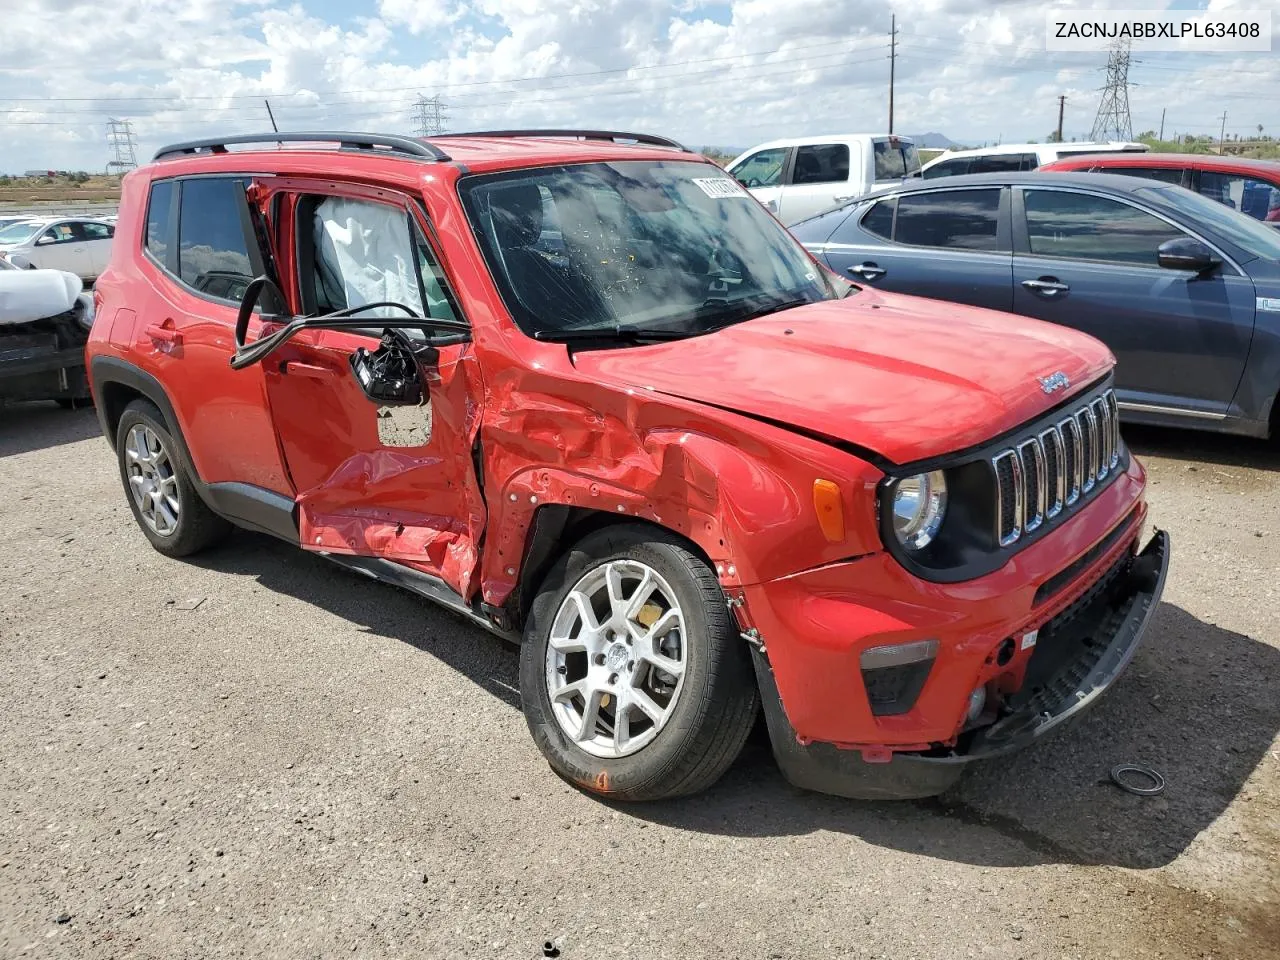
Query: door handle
x=867 y=271
x=845 y=199
x=1049 y=286
x=164 y=334
x=295 y=368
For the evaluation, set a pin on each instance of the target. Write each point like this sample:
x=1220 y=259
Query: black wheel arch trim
x=245 y=505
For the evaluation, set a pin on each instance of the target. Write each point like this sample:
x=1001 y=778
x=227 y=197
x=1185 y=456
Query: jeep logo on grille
x=1054 y=381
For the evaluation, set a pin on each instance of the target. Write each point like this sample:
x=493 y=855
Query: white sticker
x=720 y=188
x=1029 y=639
x=1269 y=304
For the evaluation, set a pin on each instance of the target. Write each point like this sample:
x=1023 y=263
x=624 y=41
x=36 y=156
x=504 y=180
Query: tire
x=190 y=528
x=704 y=723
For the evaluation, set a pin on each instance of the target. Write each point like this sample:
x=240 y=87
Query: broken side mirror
x=391 y=375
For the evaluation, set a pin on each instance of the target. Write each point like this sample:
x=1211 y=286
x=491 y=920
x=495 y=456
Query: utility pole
x=1162 y=113
x=123 y=146
x=1113 y=121
x=1222 y=137
x=893 y=57
x=429 y=116
x=1062 y=102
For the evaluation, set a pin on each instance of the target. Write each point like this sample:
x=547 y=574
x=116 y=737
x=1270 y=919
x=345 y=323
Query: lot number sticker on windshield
x=720 y=188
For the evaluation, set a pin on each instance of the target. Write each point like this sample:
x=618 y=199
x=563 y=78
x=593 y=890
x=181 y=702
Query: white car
x=800 y=177
x=75 y=244
x=1014 y=157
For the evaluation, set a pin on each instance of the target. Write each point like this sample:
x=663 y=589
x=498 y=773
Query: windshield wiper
x=615 y=333
x=728 y=318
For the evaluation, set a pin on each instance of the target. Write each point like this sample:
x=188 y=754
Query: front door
x=61 y=247
x=396 y=482
x=763 y=173
x=1089 y=262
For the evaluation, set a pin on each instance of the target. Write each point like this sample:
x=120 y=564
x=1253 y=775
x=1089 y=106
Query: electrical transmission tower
x=1113 y=121
x=122 y=142
x=429 y=116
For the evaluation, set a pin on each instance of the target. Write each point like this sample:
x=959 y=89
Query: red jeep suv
x=584 y=391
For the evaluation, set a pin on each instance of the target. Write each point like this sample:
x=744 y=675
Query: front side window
x=821 y=163
x=961 y=219
x=354 y=252
x=59 y=233
x=763 y=169
x=674 y=246
x=1085 y=227
x=211 y=247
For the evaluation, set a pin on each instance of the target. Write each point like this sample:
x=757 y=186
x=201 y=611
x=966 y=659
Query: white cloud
x=972 y=69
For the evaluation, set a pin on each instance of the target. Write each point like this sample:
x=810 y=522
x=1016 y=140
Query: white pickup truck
x=800 y=177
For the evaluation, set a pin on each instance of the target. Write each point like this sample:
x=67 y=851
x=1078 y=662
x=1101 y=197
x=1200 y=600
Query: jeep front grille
x=1043 y=474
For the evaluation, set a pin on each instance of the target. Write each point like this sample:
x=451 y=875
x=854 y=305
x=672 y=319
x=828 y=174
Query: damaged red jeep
x=581 y=389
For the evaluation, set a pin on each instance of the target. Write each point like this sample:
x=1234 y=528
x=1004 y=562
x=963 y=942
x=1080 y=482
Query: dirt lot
x=310 y=765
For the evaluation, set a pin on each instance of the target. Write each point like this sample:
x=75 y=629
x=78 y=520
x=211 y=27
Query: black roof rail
x=614 y=135
x=404 y=146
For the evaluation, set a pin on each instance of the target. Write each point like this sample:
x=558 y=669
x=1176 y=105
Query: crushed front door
x=395 y=482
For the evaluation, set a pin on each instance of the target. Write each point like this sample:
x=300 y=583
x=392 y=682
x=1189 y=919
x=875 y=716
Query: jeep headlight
x=919 y=504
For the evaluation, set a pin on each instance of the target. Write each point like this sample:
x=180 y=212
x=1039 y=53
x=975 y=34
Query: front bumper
x=1099 y=633
x=43 y=360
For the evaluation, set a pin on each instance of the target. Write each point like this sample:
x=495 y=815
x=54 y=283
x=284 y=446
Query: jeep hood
x=905 y=377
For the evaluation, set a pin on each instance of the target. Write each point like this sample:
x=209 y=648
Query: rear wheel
x=634 y=681
x=160 y=492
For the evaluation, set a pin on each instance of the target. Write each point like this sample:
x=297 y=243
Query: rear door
x=820 y=179
x=1088 y=261
x=396 y=482
x=948 y=244
x=763 y=173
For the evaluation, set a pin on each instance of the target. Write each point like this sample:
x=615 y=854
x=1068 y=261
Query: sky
x=720 y=72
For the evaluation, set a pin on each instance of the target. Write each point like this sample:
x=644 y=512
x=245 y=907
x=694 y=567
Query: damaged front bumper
x=1087 y=646
x=44 y=359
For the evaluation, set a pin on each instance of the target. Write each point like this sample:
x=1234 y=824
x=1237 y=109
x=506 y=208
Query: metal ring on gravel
x=1157 y=781
x=616 y=658
x=152 y=479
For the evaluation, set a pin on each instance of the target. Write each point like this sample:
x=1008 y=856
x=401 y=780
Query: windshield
x=674 y=248
x=1251 y=235
x=896 y=160
x=19 y=232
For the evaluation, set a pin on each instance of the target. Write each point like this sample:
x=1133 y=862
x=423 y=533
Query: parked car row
x=1185 y=291
x=79 y=245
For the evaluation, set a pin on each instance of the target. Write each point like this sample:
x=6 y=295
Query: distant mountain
x=933 y=141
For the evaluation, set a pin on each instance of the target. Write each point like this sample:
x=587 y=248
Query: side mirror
x=1184 y=253
x=389 y=375
x=45 y=241
x=21 y=262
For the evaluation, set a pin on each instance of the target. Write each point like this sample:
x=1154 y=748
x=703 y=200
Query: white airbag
x=368 y=246
x=27 y=295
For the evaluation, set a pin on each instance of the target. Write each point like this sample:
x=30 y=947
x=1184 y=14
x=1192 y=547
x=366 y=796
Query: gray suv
x=1185 y=291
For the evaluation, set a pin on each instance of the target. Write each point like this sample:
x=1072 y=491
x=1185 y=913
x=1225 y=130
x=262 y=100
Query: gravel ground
x=308 y=764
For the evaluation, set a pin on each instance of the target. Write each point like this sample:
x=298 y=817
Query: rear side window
x=1003 y=163
x=97 y=231
x=1166 y=174
x=878 y=221
x=212 y=254
x=157 y=238
x=821 y=163
x=961 y=219
x=948 y=168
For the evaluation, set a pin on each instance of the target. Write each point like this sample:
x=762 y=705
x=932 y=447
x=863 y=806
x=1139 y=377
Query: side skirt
x=423 y=584
x=255 y=508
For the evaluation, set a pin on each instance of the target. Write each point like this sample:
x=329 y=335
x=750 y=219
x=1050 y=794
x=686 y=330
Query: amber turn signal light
x=826 y=501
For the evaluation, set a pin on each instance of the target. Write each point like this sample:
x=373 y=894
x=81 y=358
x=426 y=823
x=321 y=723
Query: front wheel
x=634 y=681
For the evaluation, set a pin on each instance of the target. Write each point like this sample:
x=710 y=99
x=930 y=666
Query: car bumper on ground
x=1096 y=637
